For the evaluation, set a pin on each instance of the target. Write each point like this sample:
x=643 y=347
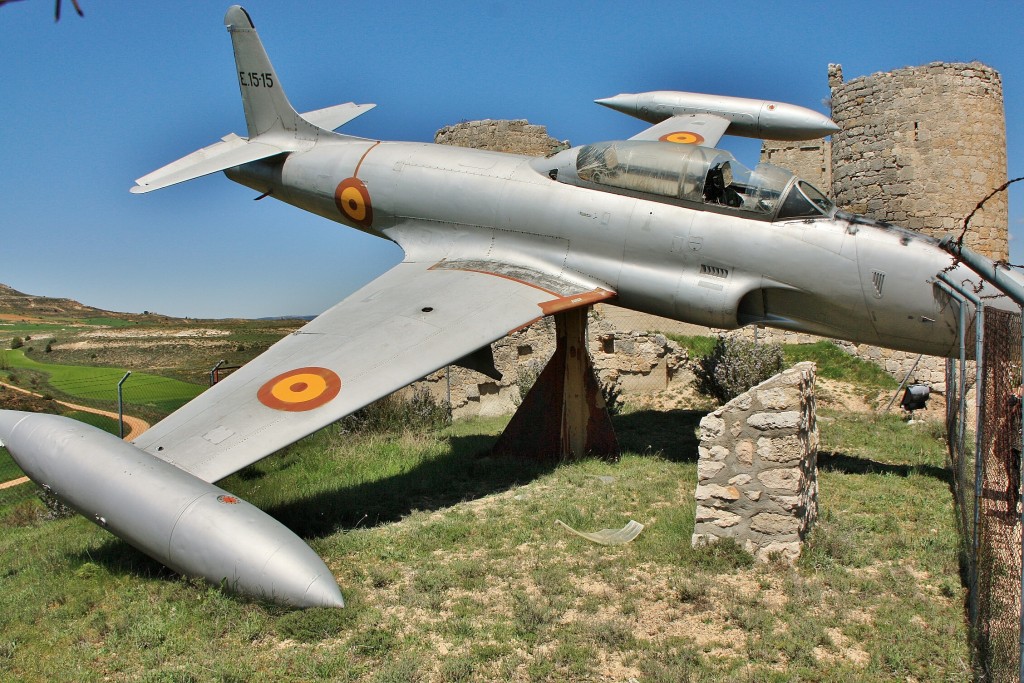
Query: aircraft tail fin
x=266 y=106
x=274 y=125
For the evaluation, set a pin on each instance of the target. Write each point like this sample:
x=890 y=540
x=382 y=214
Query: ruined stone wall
x=517 y=137
x=628 y=363
x=920 y=146
x=757 y=471
x=809 y=159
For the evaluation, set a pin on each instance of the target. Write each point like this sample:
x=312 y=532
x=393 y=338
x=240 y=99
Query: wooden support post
x=563 y=416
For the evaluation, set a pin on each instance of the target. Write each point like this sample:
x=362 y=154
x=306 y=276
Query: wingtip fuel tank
x=747 y=117
x=174 y=517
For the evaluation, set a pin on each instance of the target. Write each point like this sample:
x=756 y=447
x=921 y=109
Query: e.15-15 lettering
x=256 y=80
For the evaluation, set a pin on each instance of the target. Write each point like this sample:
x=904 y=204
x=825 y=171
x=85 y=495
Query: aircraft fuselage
x=847 y=278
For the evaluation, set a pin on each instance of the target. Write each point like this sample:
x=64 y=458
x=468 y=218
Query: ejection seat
x=718 y=187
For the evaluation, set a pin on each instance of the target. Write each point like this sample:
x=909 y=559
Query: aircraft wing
x=697 y=129
x=412 y=320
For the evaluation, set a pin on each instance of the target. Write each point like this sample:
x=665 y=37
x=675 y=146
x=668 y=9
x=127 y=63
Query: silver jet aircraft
x=662 y=223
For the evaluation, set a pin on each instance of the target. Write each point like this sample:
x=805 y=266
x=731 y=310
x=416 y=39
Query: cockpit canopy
x=702 y=175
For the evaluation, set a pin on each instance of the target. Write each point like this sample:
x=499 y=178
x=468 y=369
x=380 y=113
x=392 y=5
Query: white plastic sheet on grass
x=609 y=536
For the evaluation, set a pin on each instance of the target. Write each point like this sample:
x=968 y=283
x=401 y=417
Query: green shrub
x=735 y=365
x=612 y=395
x=394 y=413
x=16 y=343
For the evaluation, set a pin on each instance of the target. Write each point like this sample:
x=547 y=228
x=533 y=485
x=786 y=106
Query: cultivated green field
x=21 y=329
x=109 y=322
x=99 y=384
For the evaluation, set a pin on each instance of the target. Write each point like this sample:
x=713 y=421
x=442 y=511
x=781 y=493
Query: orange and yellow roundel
x=682 y=137
x=353 y=200
x=300 y=389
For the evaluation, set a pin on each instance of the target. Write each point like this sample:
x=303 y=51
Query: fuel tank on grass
x=188 y=524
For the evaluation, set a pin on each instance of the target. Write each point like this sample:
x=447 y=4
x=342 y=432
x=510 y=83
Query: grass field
x=10 y=329
x=109 y=322
x=454 y=571
x=100 y=384
x=8 y=469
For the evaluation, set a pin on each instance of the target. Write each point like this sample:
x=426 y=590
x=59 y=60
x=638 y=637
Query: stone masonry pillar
x=757 y=478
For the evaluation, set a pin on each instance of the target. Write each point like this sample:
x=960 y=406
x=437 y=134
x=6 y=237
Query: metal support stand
x=564 y=415
x=906 y=379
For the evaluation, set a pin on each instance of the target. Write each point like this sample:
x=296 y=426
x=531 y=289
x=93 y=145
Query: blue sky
x=90 y=104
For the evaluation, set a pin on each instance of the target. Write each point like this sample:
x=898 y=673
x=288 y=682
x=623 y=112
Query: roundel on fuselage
x=353 y=201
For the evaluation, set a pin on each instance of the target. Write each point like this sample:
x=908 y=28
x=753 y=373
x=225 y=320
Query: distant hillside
x=13 y=302
x=63 y=331
x=28 y=307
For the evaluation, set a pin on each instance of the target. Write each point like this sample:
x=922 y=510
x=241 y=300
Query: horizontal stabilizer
x=231 y=151
x=332 y=118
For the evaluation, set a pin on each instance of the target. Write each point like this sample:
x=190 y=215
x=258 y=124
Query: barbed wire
x=980 y=205
x=959 y=241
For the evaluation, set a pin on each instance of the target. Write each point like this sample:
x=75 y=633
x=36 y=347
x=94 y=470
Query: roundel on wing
x=300 y=389
x=683 y=137
x=353 y=200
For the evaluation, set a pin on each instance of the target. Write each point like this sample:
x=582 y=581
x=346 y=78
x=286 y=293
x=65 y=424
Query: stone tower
x=918 y=147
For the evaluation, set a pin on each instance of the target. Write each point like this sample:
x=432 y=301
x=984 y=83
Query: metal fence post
x=213 y=373
x=120 y=403
x=448 y=388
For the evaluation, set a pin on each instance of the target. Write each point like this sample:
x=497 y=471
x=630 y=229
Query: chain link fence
x=987 y=490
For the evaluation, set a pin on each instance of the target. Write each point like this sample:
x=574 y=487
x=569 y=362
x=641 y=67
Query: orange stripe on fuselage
x=355 y=174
